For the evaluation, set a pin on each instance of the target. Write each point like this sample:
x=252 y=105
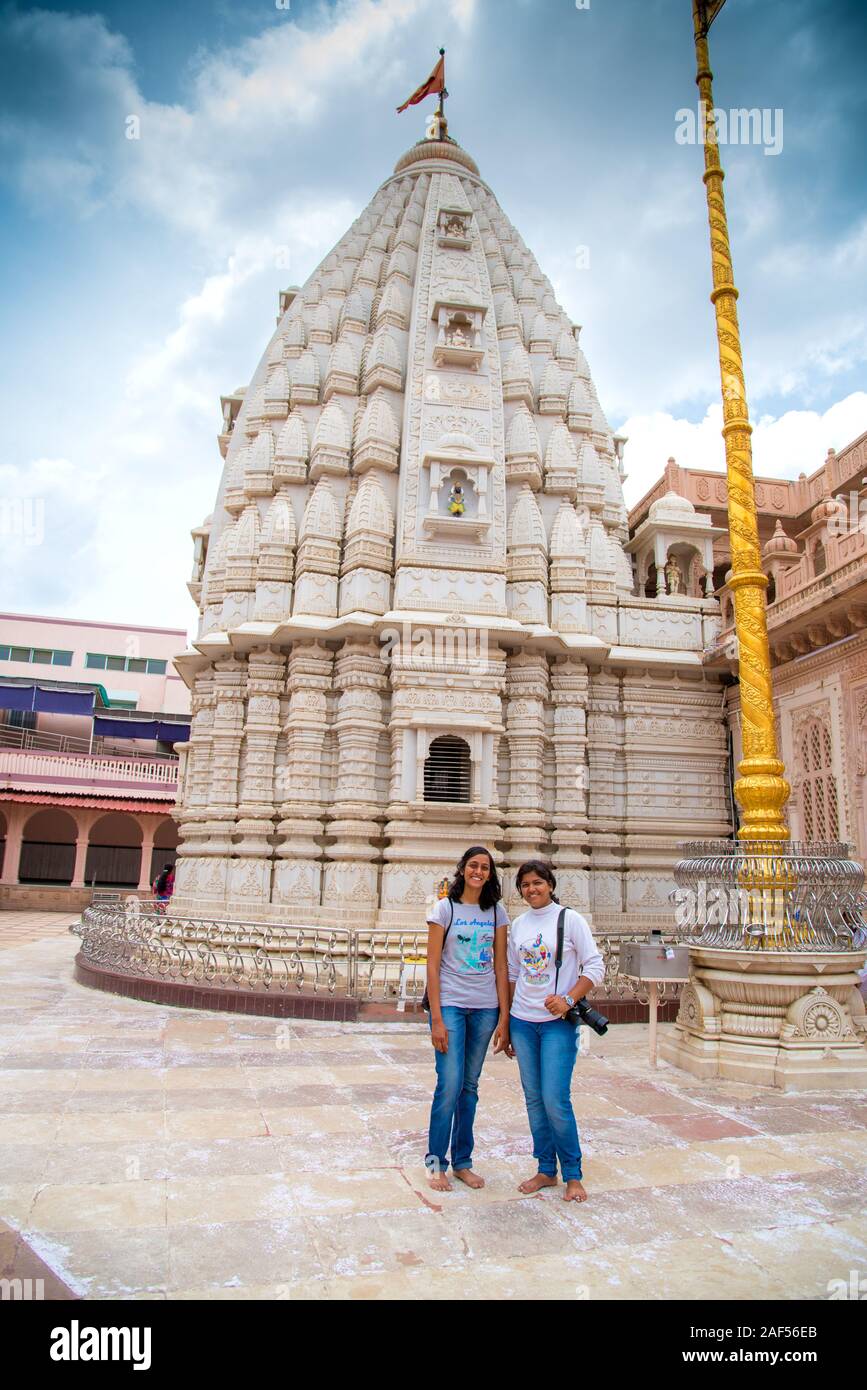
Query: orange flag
x=435 y=84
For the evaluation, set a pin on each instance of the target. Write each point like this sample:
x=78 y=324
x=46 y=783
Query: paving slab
x=153 y=1153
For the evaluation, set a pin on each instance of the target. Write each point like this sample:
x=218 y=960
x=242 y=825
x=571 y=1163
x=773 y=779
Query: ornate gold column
x=761 y=789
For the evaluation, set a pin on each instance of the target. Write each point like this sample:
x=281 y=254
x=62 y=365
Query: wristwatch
x=569 y=1000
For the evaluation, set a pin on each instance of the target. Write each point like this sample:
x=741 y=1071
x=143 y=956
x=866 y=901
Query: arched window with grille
x=819 y=561
x=448 y=770
x=819 y=808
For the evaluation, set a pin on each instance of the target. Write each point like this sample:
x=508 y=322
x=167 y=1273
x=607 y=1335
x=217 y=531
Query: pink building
x=813 y=531
x=90 y=718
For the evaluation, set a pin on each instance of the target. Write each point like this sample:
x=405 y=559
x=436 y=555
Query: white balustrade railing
x=83 y=767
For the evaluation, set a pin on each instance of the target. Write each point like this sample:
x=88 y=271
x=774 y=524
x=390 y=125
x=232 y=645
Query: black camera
x=582 y=1013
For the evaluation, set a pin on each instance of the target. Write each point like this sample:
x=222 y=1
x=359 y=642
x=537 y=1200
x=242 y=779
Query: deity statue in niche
x=456 y=335
x=673 y=576
x=455 y=227
x=457 y=501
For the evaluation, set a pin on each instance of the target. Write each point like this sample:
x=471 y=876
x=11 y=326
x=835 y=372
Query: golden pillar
x=761 y=789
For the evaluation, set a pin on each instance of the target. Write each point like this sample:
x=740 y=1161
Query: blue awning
x=140 y=728
x=173 y=733
x=46 y=699
x=124 y=728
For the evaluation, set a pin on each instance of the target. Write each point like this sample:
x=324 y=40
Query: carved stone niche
x=453 y=229
x=459 y=333
x=458 y=477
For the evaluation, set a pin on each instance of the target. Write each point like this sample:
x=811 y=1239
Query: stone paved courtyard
x=153 y=1153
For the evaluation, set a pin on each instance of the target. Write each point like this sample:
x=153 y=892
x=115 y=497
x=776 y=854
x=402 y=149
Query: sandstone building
x=814 y=534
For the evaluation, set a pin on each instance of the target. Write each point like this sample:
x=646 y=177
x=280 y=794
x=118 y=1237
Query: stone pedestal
x=792 y=1020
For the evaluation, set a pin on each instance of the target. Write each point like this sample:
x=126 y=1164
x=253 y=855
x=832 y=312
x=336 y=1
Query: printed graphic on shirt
x=474 y=943
x=536 y=961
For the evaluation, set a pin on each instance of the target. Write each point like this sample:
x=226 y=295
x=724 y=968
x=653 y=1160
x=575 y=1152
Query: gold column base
x=761 y=792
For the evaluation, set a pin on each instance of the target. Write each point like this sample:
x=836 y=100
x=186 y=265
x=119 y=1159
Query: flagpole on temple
x=436 y=83
x=771 y=924
x=442 y=106
x=442 y=123
x=761 y=789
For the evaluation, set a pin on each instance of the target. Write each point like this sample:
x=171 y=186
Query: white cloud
x=463 y=12
x=269 y=153
x=237 y=147
x=783 y=446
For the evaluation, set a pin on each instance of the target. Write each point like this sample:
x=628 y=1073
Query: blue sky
x=140 y=277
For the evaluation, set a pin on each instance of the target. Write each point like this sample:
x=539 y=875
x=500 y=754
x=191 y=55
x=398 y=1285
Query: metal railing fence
x=137 y=938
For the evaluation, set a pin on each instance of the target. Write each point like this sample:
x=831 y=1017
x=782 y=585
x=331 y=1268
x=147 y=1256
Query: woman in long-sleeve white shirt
x=542 y=1038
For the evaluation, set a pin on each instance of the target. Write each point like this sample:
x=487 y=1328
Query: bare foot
x=469 y=1177
x=574 y=1191
x=538 y=1180
x=440 y=1183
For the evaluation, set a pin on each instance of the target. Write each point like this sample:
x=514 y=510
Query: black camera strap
x=451 y=919
x=561 y=932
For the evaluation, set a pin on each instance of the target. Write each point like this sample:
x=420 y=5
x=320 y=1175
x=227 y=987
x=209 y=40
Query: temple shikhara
x=419 y=623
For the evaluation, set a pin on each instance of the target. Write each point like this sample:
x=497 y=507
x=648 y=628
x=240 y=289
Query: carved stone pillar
x=84 y=820
x=15 y=821
x=570 y=685
x=298 y=872
x=250 y=875
x=230 y=681
x=191 y=813
x=527 y=681
x=351 y=875
x=149 y=827
x=607 y=792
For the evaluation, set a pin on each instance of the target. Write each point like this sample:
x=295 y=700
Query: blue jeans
x=457 y=1090
x=546 y=1056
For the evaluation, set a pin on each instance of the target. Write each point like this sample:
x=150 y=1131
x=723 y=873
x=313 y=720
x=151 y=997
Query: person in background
x=163 y=886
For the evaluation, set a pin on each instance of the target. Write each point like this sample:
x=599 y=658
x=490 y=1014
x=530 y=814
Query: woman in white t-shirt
x=541 y=1037
x=468 y=993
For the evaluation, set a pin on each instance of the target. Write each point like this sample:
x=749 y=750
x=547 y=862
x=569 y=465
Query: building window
x=447 y=770
x=21 y=719
x=98 y=661
x=818 y=786
x=39 y=656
